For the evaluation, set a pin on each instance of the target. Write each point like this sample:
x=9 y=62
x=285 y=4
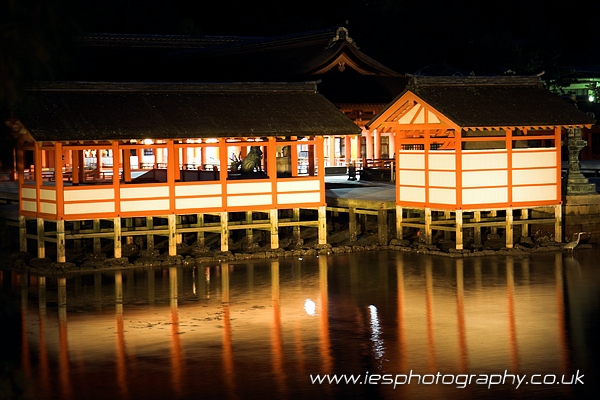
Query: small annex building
x=104 y=157
x=475 y=152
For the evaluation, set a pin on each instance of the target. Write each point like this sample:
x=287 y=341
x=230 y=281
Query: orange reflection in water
x=256 y=331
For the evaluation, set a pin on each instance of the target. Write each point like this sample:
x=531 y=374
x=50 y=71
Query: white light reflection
x=378 y=347
x=310 y=307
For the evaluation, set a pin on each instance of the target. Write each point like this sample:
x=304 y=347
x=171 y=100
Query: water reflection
x=261 y=329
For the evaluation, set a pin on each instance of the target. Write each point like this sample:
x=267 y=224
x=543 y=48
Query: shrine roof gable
x=489 y=102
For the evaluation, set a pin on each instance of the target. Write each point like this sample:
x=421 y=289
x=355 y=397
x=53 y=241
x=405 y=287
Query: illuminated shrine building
x=478 y=152
x=189 y=154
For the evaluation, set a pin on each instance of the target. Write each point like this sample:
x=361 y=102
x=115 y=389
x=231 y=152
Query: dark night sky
x=406 y=35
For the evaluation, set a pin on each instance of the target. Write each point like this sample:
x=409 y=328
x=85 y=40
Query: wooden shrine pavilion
x=476 y=152
x=103 y=156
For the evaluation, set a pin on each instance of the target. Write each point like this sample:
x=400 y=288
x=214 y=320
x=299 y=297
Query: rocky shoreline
x=190 y=255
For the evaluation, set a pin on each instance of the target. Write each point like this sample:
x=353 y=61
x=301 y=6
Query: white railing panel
x=442 y=196
x=534 y=193
x=144 y=192
x=299 y=198
x=414 y=178
x=472 y=179
x=485 y=196
x=534 y=176
x=413 y=194
x=443 y=179
x=145 y=205
x=89 y=208
x=195 y=203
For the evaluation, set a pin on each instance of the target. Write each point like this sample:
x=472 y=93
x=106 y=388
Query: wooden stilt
x=362 y=219
x=382 y=226
x=447 y=215
x=558 y=223
x=22 y=234
x=224 y=231
x=61 y=251
x=172 y=226
x=524 y=227
x=274 y=220
x=96 y=241
x=117 y=237
x=41 y=246
x=178 y=222
x=509 y=228
x=352 y=224
x=322 y=225
x=200 y=223
x=250 y=231
x=76 y=242
x=493 y=214
x=458 y=215
x=128 y=226
x=296 y=218
x=399 y=233
x=428 y=238
x=149 y=237
x=477 y=228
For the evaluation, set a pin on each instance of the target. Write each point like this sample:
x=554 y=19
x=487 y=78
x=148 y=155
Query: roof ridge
x=502 y=80
x=84 y=86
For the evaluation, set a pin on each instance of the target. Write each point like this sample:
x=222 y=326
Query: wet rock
x=149 y=253
x=129 y=249
x=117 y=262
x=526 y=240
x=95 y=256
x=399 y=242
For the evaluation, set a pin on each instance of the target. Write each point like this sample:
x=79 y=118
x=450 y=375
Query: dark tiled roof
x=496 y=101
x=292 y=57
x=93 y=111
x=169 y=42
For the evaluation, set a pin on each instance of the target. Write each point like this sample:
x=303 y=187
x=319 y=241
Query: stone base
x=581 y=213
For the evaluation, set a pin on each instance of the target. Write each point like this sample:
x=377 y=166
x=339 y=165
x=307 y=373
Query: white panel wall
x=487 y=160
x=249 y=187
x=89 y=194
x=411 y=161
x=46 y=194
x=299 y=186
x=484 y=178
x=443 y=160
x=534 y=159
x=87 y=208
x=145 y=205
x=442 y=196
x=250 y=200
x=198 y=190
x=48 y=208
x=442 y=178
x=29 y=193
x=204 y=202
x=415 y=194
x=299 y=198
x=144 y=192
x=534 y=193
x=416 y=178
x=485 y=195
x=534 y=176
x=28 y=205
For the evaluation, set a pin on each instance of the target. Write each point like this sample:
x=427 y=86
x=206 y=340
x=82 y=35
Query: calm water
x=259 y=330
